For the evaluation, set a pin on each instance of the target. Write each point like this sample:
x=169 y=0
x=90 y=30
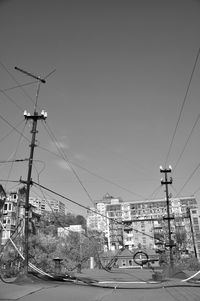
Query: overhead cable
x=17 y=146
x=107 y=180
x=182 y=106
x=4 y=137
x=18 y=86
x=189 y=178
x=89 y=209
x=11 y=100
x=187 y=141
x=14 y=79
x=94 y=174
x=66 y=159
x=14 y=128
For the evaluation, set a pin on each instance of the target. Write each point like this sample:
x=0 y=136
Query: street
x=120 y=285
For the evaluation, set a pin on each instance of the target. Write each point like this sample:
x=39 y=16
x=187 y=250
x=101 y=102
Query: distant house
x=119 y=258
x=125 y=258
x=64 y=231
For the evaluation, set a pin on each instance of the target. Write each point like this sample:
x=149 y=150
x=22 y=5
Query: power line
x=189 y=178
x=14 y=128
x=113 y=220
x=11 y=100
x=14 y=79
x=88 y=209
x=94 y=174
x=65 y=158
x=187 y=141
x=108 y=181
x=17 y=146
x=4 y=137
x=18 y=86
x=154 y=193
x=196 y=190
x=182 y=106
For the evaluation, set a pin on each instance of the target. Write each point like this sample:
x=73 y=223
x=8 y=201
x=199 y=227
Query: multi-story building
x=104 y=217
x=55 y=206
x=9 y=217
x=144 y=223
x=13 y=213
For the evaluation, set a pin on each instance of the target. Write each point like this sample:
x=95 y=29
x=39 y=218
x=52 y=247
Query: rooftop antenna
x=42 y=80
x=35 y=117
x=38 y=78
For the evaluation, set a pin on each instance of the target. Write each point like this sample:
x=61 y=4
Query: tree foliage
x=74 y=249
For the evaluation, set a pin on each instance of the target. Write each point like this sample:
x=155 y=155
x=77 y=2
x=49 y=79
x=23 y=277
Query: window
x=5 y=206
x=5 y=234
x=10 y=207
x=195 y=220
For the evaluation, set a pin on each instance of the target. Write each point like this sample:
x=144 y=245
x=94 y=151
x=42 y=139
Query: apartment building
x=55 y=206
x=9 y=216
x=13 y=214
x=144 y=223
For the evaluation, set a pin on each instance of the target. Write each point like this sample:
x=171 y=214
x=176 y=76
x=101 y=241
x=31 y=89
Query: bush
x=190 y=264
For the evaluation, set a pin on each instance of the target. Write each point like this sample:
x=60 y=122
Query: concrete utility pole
x=166 y=182
x=35 y=117
x=192 y=231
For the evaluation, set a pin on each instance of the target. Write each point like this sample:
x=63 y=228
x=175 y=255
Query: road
x=122 y=285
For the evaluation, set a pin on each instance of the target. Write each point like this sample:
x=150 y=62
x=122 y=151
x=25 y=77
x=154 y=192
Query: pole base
x=173 y=272
x=25 y=277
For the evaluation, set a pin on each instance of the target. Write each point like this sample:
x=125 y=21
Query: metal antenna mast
x=35 y=117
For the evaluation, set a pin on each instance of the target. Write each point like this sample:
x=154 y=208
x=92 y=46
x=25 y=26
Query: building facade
x=13 y=214
x=55 y=206
x=144 y=223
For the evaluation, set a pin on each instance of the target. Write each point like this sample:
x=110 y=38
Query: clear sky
x=113 y=103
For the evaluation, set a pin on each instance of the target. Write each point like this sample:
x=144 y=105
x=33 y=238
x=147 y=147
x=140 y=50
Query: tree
x=181 y=238
x=42 y=251
x=47 y=245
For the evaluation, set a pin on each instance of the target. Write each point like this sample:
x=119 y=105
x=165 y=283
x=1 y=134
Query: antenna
x=42 y=80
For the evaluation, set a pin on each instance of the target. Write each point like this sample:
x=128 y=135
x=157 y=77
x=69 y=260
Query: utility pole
x=192 y=232
x=35 y=117
x=166 y=182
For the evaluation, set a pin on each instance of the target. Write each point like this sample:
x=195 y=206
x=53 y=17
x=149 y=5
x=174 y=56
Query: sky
x=122 y=95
